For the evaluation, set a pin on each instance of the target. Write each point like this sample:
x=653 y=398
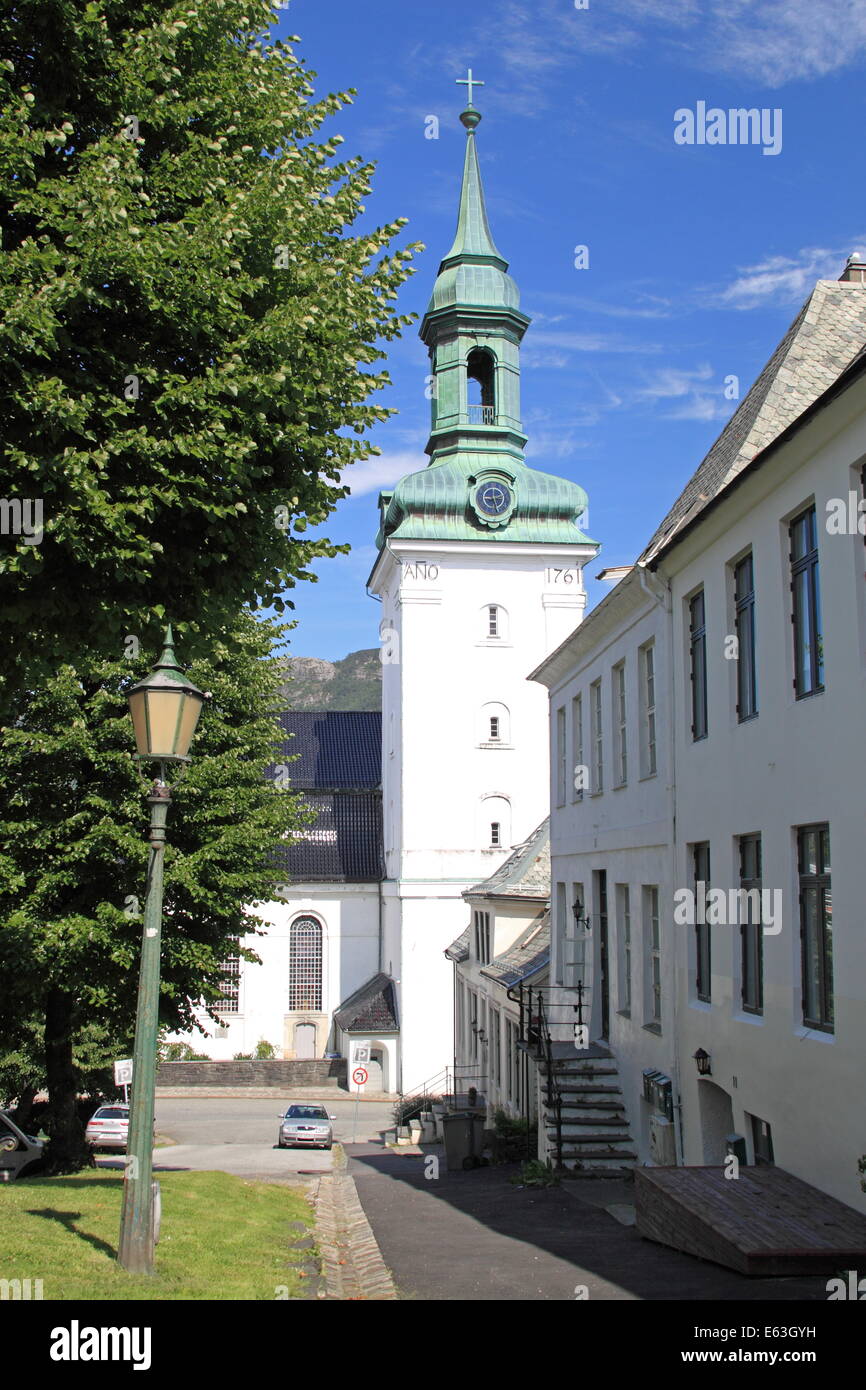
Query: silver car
x=18 y=1151
x=306 y=1124
x=108 y=1127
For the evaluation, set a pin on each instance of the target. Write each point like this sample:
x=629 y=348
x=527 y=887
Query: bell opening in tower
x=481 y=387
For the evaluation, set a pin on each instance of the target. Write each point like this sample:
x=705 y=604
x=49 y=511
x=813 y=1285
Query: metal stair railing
x=534 y=1035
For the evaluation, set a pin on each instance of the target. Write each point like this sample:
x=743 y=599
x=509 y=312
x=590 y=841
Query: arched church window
x=305 y=964
x=481 y=387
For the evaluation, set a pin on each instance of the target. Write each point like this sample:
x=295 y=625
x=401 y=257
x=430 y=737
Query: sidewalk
x=474 y=1236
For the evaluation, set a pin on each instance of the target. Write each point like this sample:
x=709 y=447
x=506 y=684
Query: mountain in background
x=353 y=683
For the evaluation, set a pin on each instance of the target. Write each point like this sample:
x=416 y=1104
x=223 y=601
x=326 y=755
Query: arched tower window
x=481 y=387
x=305 y=964
x=494 y=623
x=494 y=724
x=494 y=822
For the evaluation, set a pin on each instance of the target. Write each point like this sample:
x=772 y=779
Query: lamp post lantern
x=165 y=707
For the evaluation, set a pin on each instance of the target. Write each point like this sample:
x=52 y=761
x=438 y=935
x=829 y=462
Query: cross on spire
x=469 y=82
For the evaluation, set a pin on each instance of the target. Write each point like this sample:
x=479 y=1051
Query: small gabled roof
x=459 y=949
x=826 y=336
x=333 y=750
x=525 y=957
x=371 y=1009
x=525 y=873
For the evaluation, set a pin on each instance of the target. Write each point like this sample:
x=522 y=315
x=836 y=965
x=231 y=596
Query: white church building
x=480 y=576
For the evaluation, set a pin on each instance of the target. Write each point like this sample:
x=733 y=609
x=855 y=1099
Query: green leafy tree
x=191 y=336
x=73 y=852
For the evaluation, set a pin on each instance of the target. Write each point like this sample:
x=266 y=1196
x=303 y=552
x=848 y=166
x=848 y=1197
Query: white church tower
x=479 y=573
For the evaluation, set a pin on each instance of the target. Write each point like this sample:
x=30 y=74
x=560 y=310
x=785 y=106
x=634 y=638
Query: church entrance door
x=305 y=1040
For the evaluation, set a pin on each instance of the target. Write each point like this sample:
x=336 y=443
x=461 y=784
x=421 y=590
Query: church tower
x=479 y=573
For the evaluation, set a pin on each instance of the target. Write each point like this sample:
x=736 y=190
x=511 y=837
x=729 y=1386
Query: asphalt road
x=240 y=1136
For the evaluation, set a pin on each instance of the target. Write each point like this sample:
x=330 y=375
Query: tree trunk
x=22 y=1114
x=67 y=1150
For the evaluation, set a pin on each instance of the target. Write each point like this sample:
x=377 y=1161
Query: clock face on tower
x=493 y=498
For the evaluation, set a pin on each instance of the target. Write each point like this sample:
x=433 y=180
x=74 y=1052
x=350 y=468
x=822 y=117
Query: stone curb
x=352 y=1263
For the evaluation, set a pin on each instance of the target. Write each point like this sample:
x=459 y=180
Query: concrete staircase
x=595 y=1135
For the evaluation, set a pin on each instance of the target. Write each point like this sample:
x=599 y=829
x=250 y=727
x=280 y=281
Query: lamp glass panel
x=139 y=722
x=164 y=709
x=188 y=721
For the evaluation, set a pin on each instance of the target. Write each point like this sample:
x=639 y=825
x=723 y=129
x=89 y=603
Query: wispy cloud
x=588 y=342
x=697 y=395
x=783 y=279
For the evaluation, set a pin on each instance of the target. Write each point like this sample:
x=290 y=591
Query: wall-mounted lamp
x=702 y=1059
x=579 y=919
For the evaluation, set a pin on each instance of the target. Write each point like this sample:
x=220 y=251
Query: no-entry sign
x=359 y=1076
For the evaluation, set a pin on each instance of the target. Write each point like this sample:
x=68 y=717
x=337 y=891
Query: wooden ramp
x=765 y=1222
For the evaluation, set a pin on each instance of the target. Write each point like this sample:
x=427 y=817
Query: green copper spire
x=473 y=240
x=477 y=484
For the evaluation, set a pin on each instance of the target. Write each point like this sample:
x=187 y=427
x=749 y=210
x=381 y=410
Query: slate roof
x=339 y=750
x=459 y=949
x=526 y=956
x=344 y=844
x=371 y=1009
x=826 y=336
x=525 y=873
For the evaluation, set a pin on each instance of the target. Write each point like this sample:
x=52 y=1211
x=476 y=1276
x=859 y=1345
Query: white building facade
x=752 y=593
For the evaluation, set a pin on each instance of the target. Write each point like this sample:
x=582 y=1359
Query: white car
x=18 y=1151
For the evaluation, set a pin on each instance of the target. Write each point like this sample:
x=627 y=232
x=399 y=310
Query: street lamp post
x=165 y=707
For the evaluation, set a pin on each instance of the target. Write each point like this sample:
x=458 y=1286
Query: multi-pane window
x=623 y=923
x=305 y=964
x=751 y=928
x=577 y=747
x=595 y=734
x=620 y=737
x=473 y=1025
x=698 y=664
x=806 y=605
x=816 y=925
x=495 y=1048
x=648 y=710
x=513 y=1062
x=494 y=726
x=461 y=1017
x=495 y=834
x=230 y=984
x=482 y=937
x=744 y=619
x=492 y=621
x=703 y=940
x=560 y=926
x=561 y=757
x=762 y=1141
x=652 y=950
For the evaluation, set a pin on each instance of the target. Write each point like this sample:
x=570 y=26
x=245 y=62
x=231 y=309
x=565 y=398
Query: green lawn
x=221 y=1237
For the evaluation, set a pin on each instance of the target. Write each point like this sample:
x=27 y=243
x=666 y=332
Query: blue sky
x=699 y=255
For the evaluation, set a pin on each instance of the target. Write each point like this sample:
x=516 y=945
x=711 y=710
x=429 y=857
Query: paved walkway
x=475 y=1236
x=352 y=1266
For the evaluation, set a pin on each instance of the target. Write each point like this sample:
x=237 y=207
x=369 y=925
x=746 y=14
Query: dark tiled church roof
x=342 y=845
x=334 y=760
x=338 y=750
x=371 y=1009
